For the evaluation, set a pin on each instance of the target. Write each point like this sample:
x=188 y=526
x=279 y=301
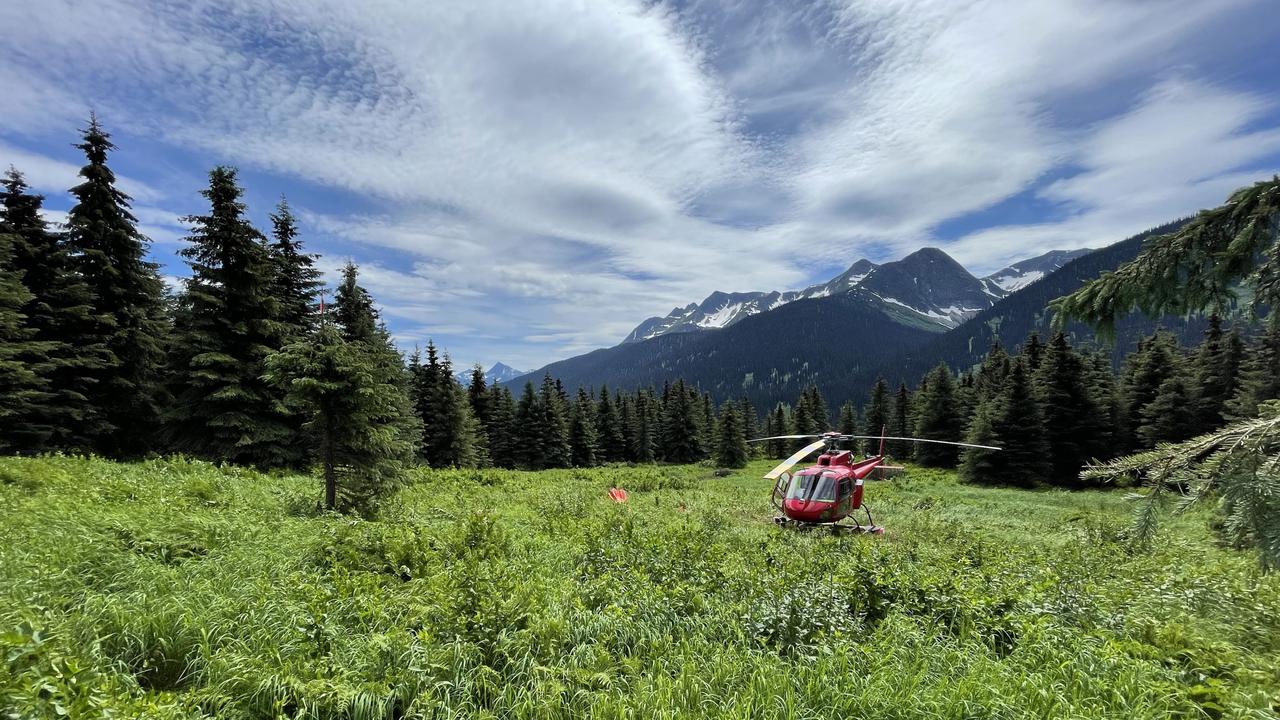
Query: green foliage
x=1239 y=465
x=62 y=347
x=226 y=326
x=731 y=445
x=1194 y=268
x=939 y=419
x=358 y=417
x=296 y=279
x=1011 y=421
x=128 y=308
x=497 y=593
x=23 y=386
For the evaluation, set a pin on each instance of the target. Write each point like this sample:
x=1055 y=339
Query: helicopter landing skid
x=836 y=528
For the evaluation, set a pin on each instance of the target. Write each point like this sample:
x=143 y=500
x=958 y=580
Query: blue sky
x=526 y=180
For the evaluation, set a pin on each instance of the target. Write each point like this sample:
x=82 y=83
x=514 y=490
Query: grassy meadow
x=174 y=589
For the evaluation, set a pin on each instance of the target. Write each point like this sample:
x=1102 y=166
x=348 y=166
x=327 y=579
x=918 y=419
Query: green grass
x=176 y=589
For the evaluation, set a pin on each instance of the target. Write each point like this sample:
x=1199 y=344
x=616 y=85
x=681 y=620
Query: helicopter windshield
x=815 y=486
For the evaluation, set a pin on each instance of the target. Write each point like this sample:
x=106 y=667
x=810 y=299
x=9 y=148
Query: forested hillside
x=765 y=357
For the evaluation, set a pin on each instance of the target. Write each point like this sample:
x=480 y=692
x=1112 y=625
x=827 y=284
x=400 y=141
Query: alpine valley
x=893 y=320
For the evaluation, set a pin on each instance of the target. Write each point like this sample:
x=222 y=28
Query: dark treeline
x=241 y=365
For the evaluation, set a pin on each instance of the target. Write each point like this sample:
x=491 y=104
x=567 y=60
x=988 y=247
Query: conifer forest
x=250 y=471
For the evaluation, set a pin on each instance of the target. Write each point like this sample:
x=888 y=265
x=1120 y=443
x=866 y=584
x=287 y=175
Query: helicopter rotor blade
x=782 y=437
x=797 y=457
x=925 y=440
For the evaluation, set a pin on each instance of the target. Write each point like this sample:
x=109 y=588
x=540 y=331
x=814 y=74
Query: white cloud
x=548 y=173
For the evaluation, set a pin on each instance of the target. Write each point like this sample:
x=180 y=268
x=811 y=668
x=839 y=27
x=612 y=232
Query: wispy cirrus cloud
x=525 y=180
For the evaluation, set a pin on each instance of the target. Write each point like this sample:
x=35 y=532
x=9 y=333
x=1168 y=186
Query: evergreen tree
x=1154 y=362
x=939 y=420
x=900 y=423
x=450 y=431
x=1033 y=351
x=556 y=450
x=750 y=424
x=681 y=437
x=1012 y=421
x=478 y=397
x=362 y=425
x=359 y=324
x=648 y=423
x=707 y=425
x=1216 y=368
x=297 y=281
x=131 y=325
x=226 y=327
x=1070 y=416
x=353 y=308
x=529 y=433
x=582 y=431
x=23 y=390
x=1105 y=394
x=989 y=381
x=61 y=348
x=1259 y=377
x=875 y=414
x=609 y=427
x=731 y=448
x=500 y=430
x=848 y=424
x=1169 y=417
x=777 y=425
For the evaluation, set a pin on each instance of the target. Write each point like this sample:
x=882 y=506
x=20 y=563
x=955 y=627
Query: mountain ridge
x=966 y=294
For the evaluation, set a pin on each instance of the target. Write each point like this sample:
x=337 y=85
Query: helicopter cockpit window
x=815 y=486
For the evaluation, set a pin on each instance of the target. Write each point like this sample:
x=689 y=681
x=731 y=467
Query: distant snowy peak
x=499 y=373
x=1021 y=274
x=926 y=289
x=720 y=309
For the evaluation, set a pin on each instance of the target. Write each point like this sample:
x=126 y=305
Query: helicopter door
x=845 y=503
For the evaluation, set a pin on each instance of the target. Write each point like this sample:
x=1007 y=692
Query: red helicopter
x=826 y=493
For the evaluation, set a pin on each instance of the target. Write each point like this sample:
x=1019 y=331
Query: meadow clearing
x=176 y=589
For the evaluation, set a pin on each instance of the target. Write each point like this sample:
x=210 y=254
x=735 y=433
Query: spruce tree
x=1170 y=416
x=62 y=347
x=848 y=424
x=1033 y=351
x=582 y=431
x=1259 y=376
x=556 y=450
x=681 y=437
x=750 y=424
x=777 y=426
x=731 y=445
x=1012 y=421
x=1071 y=418
x=988 y=382
x=296 y=281
x=1216 y=367
x=875 y=414
x=128 y=306
x=361 y=425
x=707 y=424
x=1156 y=361
x=900 y=423
x=939 y=420
x=648 y=423
x=450 y=431
x=23 y=388
x=226 y=327
x=501 y=427
x=530 y=441
x=609 y=428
